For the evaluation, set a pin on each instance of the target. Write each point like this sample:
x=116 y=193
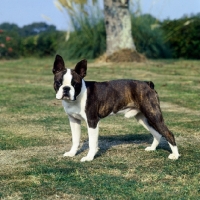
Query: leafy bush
x=9 y=44
x=148 y=37
x=28 y=46
x=47 y=43
x=183 y=36
x=37 y=39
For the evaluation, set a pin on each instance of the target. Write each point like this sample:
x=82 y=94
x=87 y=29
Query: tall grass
x=88 y=38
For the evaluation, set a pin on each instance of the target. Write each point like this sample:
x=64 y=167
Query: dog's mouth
x=65 y=94
x=64 y=97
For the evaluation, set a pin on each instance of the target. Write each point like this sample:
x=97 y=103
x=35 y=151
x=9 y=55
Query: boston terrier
x=92 y=101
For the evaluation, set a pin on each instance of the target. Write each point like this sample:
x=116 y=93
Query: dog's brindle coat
x=92 y=101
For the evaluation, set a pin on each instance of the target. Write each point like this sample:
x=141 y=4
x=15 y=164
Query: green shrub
x=44 y=44
x=28 y=46
x=47 y=43
x=9 y=44
x=148 y=37
x=36 y=39
x=183 y=36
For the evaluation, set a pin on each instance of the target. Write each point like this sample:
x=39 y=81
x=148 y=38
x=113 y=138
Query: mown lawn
x=34 y=134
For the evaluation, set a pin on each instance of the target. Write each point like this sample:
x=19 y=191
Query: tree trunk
x=118 y=26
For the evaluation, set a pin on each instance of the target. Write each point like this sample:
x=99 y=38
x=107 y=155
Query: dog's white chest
x=76 y=109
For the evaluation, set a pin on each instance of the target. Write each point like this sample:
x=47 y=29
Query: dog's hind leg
x=156 y=136
x=75 y=125
x=155 y=121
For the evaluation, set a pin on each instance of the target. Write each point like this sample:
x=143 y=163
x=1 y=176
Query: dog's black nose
x=66 y=89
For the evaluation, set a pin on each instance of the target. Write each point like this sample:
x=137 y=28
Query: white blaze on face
x=67 y=78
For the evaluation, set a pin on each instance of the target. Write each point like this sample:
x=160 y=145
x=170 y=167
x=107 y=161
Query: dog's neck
x=81 y=96
x=83 y=91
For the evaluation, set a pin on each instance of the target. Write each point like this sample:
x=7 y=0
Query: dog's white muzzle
x=62 y=94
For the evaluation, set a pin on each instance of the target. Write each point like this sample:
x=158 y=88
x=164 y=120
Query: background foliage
x=37 y=39
x=87 y=40
x=153 y=38
x=183 y=36
x=149 y=37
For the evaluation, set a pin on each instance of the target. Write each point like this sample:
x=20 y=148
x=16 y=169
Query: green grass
x=34 y=134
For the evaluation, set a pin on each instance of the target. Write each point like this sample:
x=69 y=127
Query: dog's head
x=68 y=82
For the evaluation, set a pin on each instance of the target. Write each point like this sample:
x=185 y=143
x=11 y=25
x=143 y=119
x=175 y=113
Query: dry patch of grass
x=170 y=107
x=18 y=160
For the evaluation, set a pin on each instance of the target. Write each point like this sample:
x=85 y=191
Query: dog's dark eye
x=73 y=83
x=58 y=84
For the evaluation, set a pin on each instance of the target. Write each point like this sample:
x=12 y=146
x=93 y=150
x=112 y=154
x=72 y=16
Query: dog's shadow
x=107 y=142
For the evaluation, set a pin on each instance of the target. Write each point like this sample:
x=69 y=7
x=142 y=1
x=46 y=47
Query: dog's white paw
x=87 y=158
x=173 y=156
x=150 y=149
x=69 y=154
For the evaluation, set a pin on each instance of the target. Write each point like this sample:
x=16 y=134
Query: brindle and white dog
x=92 y=101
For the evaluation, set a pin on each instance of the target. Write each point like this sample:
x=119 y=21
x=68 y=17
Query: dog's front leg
x=75 y=125
x=93 y=134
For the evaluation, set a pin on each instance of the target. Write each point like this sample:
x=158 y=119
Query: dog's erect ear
x=81 y=68
x=59 y=64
